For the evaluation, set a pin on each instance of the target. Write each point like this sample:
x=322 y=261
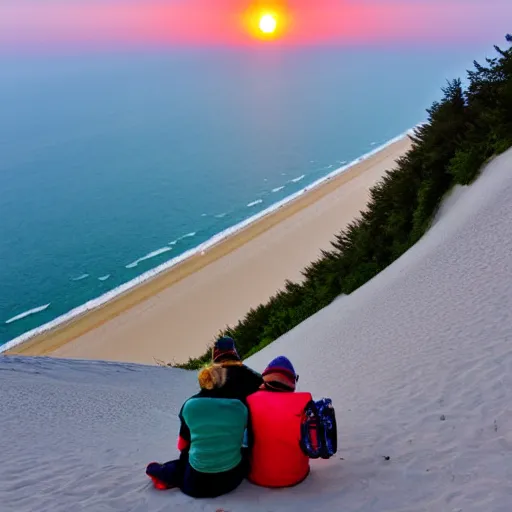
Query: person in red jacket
x=276 y=459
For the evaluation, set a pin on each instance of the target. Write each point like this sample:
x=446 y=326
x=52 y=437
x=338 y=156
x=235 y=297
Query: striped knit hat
x=225 y=350
x=280 y=375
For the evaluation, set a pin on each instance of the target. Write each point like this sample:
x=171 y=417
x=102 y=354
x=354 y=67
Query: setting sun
x=268 y=24
x=267 y=20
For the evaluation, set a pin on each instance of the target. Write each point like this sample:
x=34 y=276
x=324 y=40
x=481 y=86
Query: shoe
x=158 y=484
x=154 y=467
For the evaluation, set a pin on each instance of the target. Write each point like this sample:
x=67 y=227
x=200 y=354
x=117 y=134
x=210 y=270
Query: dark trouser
x=179 y=473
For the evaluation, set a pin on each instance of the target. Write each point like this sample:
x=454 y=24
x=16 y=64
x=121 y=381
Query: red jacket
x=276 y=457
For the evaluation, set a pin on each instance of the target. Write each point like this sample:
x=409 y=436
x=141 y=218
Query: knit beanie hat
x=279 y=375
x=224 y=350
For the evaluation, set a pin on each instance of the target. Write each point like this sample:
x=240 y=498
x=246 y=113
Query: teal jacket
x=214 y=427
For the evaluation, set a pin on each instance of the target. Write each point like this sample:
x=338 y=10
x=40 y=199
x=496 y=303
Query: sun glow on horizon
x=268 y=24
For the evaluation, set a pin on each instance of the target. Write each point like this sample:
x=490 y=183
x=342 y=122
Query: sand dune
x=418 y=362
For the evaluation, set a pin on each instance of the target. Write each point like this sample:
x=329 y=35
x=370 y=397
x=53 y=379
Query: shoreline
x=49 y=337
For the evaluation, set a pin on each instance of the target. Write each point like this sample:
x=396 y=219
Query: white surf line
x=27 y=313
x=148 y=256
x=254 y=203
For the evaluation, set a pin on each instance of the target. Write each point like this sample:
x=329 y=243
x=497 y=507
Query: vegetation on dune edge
x=463 y=131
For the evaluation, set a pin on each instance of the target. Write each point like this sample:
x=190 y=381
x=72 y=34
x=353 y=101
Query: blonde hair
x=213 y=376
x=230 y=362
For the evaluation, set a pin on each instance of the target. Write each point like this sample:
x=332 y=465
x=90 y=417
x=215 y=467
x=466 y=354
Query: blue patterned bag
x=319 y=434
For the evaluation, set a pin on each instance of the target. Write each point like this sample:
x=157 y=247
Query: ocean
x=112 y=164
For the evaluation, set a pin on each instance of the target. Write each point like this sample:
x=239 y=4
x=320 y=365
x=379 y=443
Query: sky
x=61 y=23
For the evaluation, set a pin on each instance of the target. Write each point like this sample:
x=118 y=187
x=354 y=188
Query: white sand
x=430 y=337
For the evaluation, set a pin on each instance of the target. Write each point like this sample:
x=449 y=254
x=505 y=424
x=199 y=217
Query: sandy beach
x=177 y=314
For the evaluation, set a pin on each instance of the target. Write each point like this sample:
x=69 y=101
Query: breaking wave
x=27 y=313
x=80 y=277
x=148 y=256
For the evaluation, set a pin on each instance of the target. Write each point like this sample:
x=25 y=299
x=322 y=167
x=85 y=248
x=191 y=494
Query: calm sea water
x=112 y=164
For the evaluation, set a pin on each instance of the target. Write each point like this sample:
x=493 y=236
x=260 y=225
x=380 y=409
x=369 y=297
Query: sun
x=268 y=24
x=266 y=20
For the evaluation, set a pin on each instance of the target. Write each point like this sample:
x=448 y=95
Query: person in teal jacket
x=210 y=441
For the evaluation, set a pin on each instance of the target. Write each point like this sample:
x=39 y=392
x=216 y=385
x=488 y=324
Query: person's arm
x=250 y=435
x=248 y=443
x=184 y=435
x=253 y=380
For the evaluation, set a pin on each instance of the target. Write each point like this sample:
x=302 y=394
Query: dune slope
x=418 y=362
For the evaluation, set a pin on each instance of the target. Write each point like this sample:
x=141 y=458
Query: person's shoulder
x=285 y=397
x=209 y=393
x=242 y=371
x=189 y=399
x=204 y=393
x=200 y=394
x=304 y=393
x=211 y=397
x=258 y=395
x=246 y=368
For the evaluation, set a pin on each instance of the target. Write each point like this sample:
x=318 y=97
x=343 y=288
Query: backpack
x=319 y=435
